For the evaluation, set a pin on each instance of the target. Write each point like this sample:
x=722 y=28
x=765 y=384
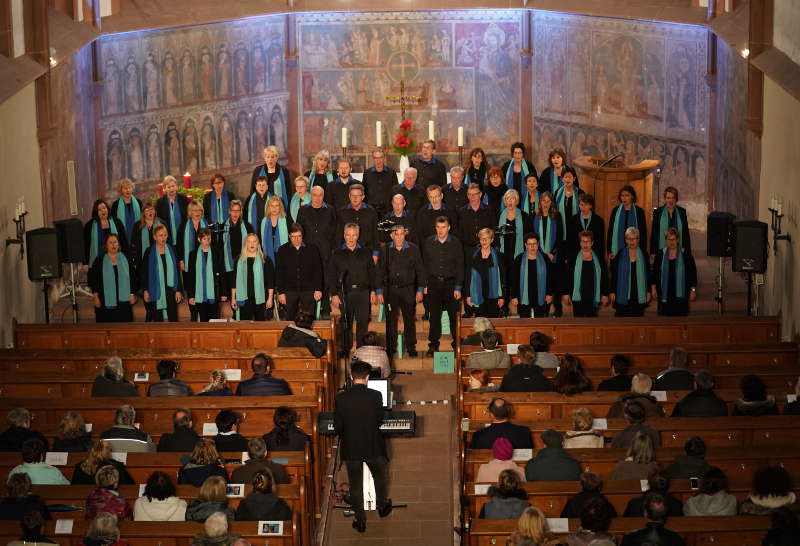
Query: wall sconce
x=19 y=221
x=776 y=208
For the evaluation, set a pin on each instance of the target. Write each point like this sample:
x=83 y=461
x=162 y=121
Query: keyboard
x=394 y=423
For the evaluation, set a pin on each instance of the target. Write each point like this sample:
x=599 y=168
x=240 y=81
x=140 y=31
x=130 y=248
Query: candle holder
x=20 y=235
x=344 y=152
x=460 y=155
x=776 y=229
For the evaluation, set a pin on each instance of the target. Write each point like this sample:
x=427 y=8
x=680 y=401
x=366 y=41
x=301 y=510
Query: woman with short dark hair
x=211 y=498
x=713 y=498
x=19 y=499
x=113 y=283
x=95 y=231
x=570 y=378
x=755 y=401
x=159 y=502
x=286 y=435
x=263 y=503
x=772 y=488
x=507 y=500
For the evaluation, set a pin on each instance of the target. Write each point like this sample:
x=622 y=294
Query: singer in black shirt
x=444 y=275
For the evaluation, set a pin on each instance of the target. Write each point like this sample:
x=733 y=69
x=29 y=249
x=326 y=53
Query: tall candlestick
x=344 y=137
x=773 y=203
x=779 y=208
x=460 y=136
x=187 y=180
x=430 y=130
x=378 y=135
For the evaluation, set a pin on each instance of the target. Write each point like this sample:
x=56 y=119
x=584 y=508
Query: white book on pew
x=482 y=488
x=522 y=454
x=600 y=423
x=661 y=396
x=56 y=458
x=512 y=348
x=791 y=398
x=210 y=429
x=63 y=526
x=558 y=525
x=121 y=456
x=232 y=374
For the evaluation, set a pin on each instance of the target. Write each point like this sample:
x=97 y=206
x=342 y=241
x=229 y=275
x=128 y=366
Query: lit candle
x=460 y=136
x=187 y=180
x=378 y=135
x=430 y=130
x=344 y=137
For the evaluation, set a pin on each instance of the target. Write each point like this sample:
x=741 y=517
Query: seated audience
x=654 y=532
x=228 y=437
x=72 y=435
x=772 y=488
x=168 y=383
x=677 y=377
x=217 y=385
x=33 y=453
x=640 y=461
x=262 y=383
x=507 y=500
x=640 y=392
x=300 y=334
x=691 y=465
x=478 y=381
x=99 y=455
x=634 y=413
x=19 y=500
x=103 y=531
x=656 y=483
x=785 y=530
x=582 y=433
x=541 y=346
x=159 y=502
x=620 y=380
x=501 y=427
x=286 y=435
x=373 y=352
x=215 y=532
x=105 y=497
x=502 y=452
x=596 y=517
x=701 y=402
x=32 y=524
x=258 y=461
x=570 y=378
x=212 y=498
x=755 y=401
x=712 y=497
x=793 y=408
x=262 y=503
x=112 y=382
x=124 y=436
x=490 y=356
x=526 y=376
x=19 y=430
x=183 y=438
x=552 y=463
x=532 y=529
x=479 y=325
x=591 y=485
x=203 y=462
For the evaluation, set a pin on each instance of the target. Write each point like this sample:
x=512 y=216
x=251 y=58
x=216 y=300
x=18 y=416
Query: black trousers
x=379 y=467
x=299 y=300
x=629 y=310
x=206 y=311
x=155 y=315
x=401 y=300
x=539 y=311
x=488 y=309
x=252 y=311
x=583 y=309
x=358 y=311
x=440 y=298
x=123 y=313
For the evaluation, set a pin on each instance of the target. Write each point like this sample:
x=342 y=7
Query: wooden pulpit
x=605 y=182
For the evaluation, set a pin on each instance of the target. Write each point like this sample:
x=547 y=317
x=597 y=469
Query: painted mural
x=462 y=68
x=603 y=86
x=200 y=99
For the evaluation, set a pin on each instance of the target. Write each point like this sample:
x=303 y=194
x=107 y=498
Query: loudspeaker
x=750 y=247
x=720 y=234
x=70 y=240
x=43 y=262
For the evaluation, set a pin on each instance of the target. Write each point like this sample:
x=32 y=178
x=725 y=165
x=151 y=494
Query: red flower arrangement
x=403 y=143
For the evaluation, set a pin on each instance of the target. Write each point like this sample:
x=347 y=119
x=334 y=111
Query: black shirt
x=317 y=230
x=430 y=173
x=532 y=280
x=616 y=383
x=401 y=268
x=337 y=194
x=378 y=187
x=443 y=261
x=269 y=279
x=298 y=270
x=367 y=220
x=406 y=219
x=354 y=267
x=471 y=221
x=235 y=236
x=425 y=220
x=455 y=198
x=415 y=197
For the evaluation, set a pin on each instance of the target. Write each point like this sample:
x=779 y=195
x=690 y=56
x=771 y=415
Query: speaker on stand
x=750 y=253
x=719 y=231
x=71 y=251
x=43 y=261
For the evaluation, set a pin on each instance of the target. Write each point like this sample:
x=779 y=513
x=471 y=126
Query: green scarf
x=510 y=174
x=519 y=231
x=663 y=226
x=624 y=273
x=204 y=276
x=258 y=281
x=312 y=177
x=112 y=292
x=95 y=246
x=226 y=242
x=561 y=199
x=296 y=204
x=190 y=238
x=128 y=220
x=156 y=277
x=146 y=236
x=618 y=233
x=541 y=279
x=578 y=273
x=680 y=275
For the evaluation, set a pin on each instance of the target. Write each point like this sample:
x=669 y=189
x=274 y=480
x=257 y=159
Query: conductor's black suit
x=358 y=414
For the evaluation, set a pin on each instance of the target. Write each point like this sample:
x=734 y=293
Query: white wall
x=787 y=21
x=19 y=163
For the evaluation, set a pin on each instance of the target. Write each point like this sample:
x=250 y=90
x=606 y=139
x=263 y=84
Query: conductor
x=358 y=414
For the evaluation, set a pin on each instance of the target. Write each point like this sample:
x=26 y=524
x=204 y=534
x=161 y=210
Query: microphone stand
x=344 y=320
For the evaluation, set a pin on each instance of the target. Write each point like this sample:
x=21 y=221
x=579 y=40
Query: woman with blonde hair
x=187 y=238
x=171 y=207
x=253 y=281
x=532 y=528
x=160 y=279
x=143 y=234
x=217 y=385
x=72 y=435
x=105 y=497
x=478 y=381
x=99 y=456
x=103 y=531
x=204 y=462
x=582 y=433
x=212 y=498
x=516 y=222
x=274 y=228
x=507 y=499
x=301 y=197
x=640 y=461
x=320 y=173
x=485 y=280
x=277 y=176
x=127 y=209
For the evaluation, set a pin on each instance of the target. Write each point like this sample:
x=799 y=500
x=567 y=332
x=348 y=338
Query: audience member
x=507 y=500
x=502 y=453
x=785 y=530
x=168 y=383
x=620 y=380
x=262 y=383
x=19 y=500
x=701 y=402
x=656 y=483
x=552 y=463
x=286 y=435
x=183 y=438
x=541 y=346
x=228 y=437
x=263 y=503
x=479 y=325
x=654 y=532
x=124 y=436
x=755 y=401
x=112 y=382
x=478 y=381
x=159 y=502
x=570 y=378
x=19 y=430
x=373 y=352
x=582 y=433
x=772 y=488
x=532 y=529
x=203 y=462
x=712 y=498
x=591 y=486
x=32 y=524
x=490 y=356
x=501 y=427
x=258 y=461
x=72 y=434
x=99 y=455
x=33 y=453
x=103 y=531
x=676 y=377
x=105 y=497
x=211 y=499
x=793 y=408
x=596 y=517
x=215 y=532
x=691 y=465
x=217 y=385
x=640 y=461
x=640 y=392
x=300 y=334
x=526 y=376
x=635 y=415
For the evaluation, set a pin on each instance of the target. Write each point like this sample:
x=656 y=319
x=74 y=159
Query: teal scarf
x=680 y=275
x=98 y=239
x=561 y=199
x=279 y=186
x=555 y=180
x=618 y=233
x=175 y=218
x=157 y=284
x=664 y=225
x=578 y=273
x=129 y=220
x=510 y=175
x=219 y=207
x=204 y=277
x=258 y=281
x=526 y=203
x=252 y=212
x=146 y=236
x=476 y=283
x=296 y=204
x=226 y=242
x=113 y=293
x=624 y=273
x=548 y=240
x=541 y=279
x=519 y=231
x=585 y=223
x=190 y=238
x=313 y=176
x=267 y=243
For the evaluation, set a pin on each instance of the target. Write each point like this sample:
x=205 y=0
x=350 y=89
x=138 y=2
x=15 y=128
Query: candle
x=161 y=190
x=378 y=134
x=187 y=180
x=430 y=130
x=344 y=137
x=772 y=202
x=22 y=209
x=780 y=207
x=460 y=137
x=16 y=211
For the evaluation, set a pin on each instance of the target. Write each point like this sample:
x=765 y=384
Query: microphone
x=610 y=159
